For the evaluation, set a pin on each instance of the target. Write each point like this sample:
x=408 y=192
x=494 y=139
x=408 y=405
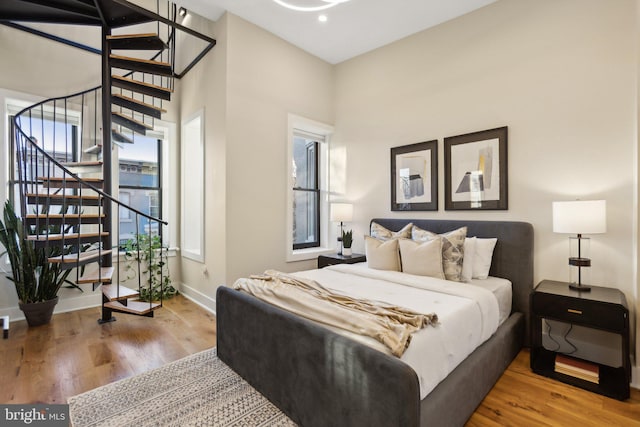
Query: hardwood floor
x=522 y=398
x=74 y=354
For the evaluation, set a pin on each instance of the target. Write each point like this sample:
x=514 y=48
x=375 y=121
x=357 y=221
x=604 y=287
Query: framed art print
x=475 y=170
x=414 y=177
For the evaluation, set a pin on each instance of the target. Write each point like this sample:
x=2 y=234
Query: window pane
x=304 y=159
x=139 y=174
x=139 y=163
x=305 y=218
x=54 y=137
x=125 y=197
x=142 y=200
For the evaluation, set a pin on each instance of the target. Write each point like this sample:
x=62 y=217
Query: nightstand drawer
x=333 y=259
x=579 y=311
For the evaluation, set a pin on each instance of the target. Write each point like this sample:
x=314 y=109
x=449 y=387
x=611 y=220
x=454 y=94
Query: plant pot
x=346 y=252
x=38 y=313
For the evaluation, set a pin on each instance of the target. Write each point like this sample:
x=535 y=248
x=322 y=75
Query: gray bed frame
x=320 y=378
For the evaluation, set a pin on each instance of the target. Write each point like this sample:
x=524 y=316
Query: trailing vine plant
x=149 y=252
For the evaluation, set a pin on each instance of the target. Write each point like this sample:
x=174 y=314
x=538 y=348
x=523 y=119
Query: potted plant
x=37 y=281
x=347 y=241
x=149 y=251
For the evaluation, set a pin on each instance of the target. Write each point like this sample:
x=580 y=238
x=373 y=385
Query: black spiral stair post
x=107 y=260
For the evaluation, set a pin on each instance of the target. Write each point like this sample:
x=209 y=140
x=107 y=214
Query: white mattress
x=468 y=313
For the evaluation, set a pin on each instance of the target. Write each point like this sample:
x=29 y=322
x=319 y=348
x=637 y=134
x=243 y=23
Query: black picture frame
x=475 y=171
x=414 y=177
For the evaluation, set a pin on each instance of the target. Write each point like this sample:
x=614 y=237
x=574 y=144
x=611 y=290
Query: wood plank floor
x=74 y=354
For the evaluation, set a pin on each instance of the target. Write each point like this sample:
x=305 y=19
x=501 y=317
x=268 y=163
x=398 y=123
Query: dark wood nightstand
x=331 y=259
x=602 y=308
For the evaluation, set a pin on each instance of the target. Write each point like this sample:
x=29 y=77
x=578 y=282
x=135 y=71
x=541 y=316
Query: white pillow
x=422 y=258
x=467 y=261
x=482 y=257
x=382 y=255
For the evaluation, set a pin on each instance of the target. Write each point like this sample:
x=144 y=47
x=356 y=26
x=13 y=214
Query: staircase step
x=84 y=167
x=133 y=307
x=149 y=41
x=100 y=275
x=115 y=293
x=60 y=199
x=67 y=219
x=69 y=182
x=136 y=105
x=81 y=164
x=71 y=260
x=141 y=87
x=67 y=239
x=94 y=149
x=130 y=123
x=119 y=137
x=142 y=65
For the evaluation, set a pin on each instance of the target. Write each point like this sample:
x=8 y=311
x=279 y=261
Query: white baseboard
x=198 y=297
x=635 y=377
x=87 y=300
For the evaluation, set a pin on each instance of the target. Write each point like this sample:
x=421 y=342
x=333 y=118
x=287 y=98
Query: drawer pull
x=571 y=310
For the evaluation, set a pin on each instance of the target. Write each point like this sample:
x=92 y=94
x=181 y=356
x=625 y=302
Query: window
x=306 y=192
x=307 y=207
x=57 y=137
x=140 y=187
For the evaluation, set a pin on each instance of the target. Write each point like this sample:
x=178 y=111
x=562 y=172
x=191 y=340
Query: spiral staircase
x=63 y=184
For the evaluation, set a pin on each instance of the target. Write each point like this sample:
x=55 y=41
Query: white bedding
x=501 y=289
x=468 y=314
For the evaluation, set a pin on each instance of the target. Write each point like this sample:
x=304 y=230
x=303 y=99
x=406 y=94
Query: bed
x=319 y=377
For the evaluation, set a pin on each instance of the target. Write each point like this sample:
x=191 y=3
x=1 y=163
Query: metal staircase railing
x=60 y=208
x=63 y=145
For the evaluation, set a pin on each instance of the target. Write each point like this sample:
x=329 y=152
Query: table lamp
x=341 y=212
x=579 y=217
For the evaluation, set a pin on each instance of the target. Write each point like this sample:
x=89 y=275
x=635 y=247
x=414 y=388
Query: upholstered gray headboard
x=512 y=256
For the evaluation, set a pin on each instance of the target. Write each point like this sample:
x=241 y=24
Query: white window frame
x=304 y=125
x=193 y=191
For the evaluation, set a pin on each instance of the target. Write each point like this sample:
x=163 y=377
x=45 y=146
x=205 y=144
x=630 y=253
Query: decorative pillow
x=482 y=257
x=422 y=258
x=382 y=233
x=469 y=256
x=452 y=249
x=382 y=255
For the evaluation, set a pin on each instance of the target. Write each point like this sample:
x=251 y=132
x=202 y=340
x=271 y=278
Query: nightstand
x=332 y=259
x=604 y=309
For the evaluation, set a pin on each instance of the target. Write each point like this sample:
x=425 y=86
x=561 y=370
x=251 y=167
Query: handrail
x=72 y=235
x=67 y=171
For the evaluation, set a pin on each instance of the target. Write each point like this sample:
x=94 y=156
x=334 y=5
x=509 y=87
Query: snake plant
x=35 y=278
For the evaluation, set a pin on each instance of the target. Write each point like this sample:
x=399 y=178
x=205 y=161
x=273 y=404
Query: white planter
x=346 y=252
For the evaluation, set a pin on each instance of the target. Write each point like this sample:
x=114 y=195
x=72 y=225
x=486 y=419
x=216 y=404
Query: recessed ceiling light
x=309 y=5
x=322 y=18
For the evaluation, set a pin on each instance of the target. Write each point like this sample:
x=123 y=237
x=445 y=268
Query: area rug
x=198 y=390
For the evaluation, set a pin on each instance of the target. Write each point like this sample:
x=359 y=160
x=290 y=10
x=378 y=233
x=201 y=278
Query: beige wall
x=249 y=84
x=205 y=86
x=268 y=79
x=560 y=74
x=34 y=65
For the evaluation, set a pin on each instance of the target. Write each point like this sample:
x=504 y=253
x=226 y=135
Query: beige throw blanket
x=388 y=324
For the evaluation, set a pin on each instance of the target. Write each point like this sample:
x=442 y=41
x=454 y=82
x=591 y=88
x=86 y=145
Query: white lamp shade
x=580 y=217
x=341 y=212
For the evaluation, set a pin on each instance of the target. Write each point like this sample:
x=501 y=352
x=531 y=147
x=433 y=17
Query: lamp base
x=579 y=288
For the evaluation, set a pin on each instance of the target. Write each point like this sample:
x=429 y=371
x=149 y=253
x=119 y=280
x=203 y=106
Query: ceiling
x=352 y=28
